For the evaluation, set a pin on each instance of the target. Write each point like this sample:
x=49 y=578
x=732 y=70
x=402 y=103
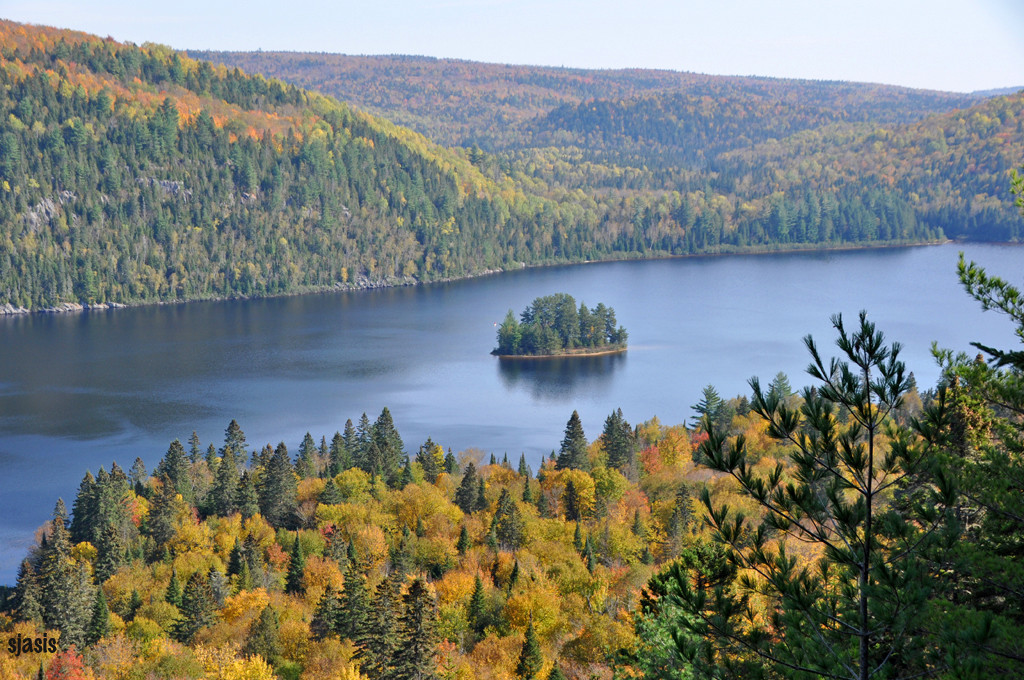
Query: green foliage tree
x=508 y=525
x=198 y=608
x=573 y=451
x=296 y=568
x=618 y=441
x=530 y=658
x=264 y=637
x=860 y=607
x=465 y=495
x=278 y=489
x=416 y=633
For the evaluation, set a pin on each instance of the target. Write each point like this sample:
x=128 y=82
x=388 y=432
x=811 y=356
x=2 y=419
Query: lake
x=79 y=391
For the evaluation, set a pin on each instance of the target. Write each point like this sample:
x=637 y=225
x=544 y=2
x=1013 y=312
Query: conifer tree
x=381 y=642
x=524 y=469
x=234 y=440
x=264 y=637
x=28 y=602
x=462 y=545
x=296 y=568
x=363 y=440
x=247 y=500
x=530 y=658
x=389 y=450
x=138 y=476
x=466 y=494
x=224 y=495
x=173 y=594
x=618 y=440
x=305 y=466
x=416 y=632
x=451 y=465
x=84 y=511
x=195 y=450
x=197 y=608
x=507 y=525
x=577 y=539
x=481 y=497
x=475 y=610
x=99 y=626
x=330 y=495
x=573 y=452
x=163 y=513
x=278 y=490
x=325 y=619
x=339 y=457
x=571 y=501
x=709 y=406
x=175 y=466
x=354 y=612
x=528 y=497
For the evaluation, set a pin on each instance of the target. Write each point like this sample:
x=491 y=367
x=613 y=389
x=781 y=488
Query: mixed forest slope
x=137 y=174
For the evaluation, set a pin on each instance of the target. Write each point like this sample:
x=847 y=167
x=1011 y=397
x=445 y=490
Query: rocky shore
x=7 y=309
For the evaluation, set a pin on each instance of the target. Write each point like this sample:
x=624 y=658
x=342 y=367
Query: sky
x=955 y=45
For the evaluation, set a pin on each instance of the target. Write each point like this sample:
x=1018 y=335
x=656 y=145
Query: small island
x=552 y=326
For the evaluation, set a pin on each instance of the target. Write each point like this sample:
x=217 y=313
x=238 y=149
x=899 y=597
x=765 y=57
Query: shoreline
x=8 y=310
x=563 y=355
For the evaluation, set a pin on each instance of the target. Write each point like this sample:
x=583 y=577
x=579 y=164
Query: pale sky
x=958 y=45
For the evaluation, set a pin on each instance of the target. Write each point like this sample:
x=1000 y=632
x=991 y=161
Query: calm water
x=79 y=391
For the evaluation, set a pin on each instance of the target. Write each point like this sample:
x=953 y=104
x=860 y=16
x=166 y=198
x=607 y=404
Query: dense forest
x=552 y=325
x=137 y=174
x=859 y=528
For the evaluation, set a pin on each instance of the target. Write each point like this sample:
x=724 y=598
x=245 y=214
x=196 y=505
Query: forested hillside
x=136 y=174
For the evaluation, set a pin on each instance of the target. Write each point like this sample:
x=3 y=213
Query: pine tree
x=67 y=591
x=264 y=637
x=573 y=452
x=234 y=440
x=84 y=511
x=360 y=448
x=451 y=465
x=416 y=633
x=528 y=497
x=524 y=469
x=339 y=457
x=195 y=450
x=577 y=539
x=163 y=513
x=431 y=457
x=138 y=476
x=294 y=583
x=709 y=406
x=465 y=495
x=530 y=658
x=381 y=642
x=388 y=447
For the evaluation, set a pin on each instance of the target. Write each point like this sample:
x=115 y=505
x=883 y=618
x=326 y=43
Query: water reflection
x=558 y=378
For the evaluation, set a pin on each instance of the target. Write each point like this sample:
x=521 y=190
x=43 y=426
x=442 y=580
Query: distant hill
x=138 y=174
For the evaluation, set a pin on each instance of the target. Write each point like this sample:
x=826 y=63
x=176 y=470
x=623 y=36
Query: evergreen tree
x=556 y=673
x=530 y=658
x=363 y=440
x=858 y=611
x=84 y=511
x=431 y=458
x=710 y=405
x=618 y=440
x=571 y=501
x=389 y=450
x=163 y=513
x=305 y=466
x=175 y=466
x=174 y=593
x=573 y=453
x=528 y=497
x=524 y=469
x=577 y=539
x=195 y=450
x=481 y=496
x=224 y=495
x=234 y=440
x=339 y=457
x=416 y=633
x=507 y=524
x=296 y=567
x=330 y=495
x=381 y=642
x=325 y=619
x=264 y=637
x=247 y=499
x=278 y=490
x=138 y=476
x=197 y=608
x=99 y=626
x=29 y=598
x=475 y=611
x=466 y=494
x=451 y=465
x=462 y=545
x=353 y=622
